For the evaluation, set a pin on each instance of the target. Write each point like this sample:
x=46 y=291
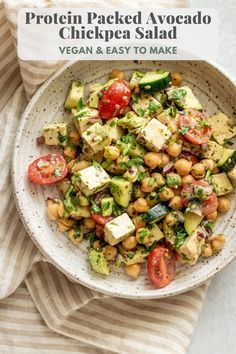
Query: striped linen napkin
x=41 y=311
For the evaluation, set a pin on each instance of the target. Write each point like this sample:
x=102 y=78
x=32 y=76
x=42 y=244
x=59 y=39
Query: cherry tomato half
x=210 y=205
x=189 y=156
x=101 y=220
x=100 y=231
x=47 y=169
x=194 y=127
x=115 y=98
x=161 y=266
x=187 y=192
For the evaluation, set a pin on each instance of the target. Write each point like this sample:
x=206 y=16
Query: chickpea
x=215 y=170
x=218 y=243
x=209 y=164
x=187 y=179
x=211 y=216
x=70 y=164
x=141 y=205
x=173 y=180
x=81 y=165
x=74 y=137
x=64 y=185
x=97 y=245
x=55 y=209
x=138 y=193
x=122 y=159
x=166 y=194
x=138 y=222
x=129 y=243
x=126 y=109
x=89 y=223
x=176 y=78
x=160 y=180
x=66 y=224
x=223 y=204
x=177 y=191
x=133 y=270
x=75 y=237
x=198 y=170
x=165 y=159
x=148 y=185
x=183 y=167
x=111 y=152
x=176 y=203
x=174 y=149
x=130 y=210
x=170 y=219
x=207 y=250
x=143 y=236
x=152 y=159
x=70 y=152
x=110 y=252
x=117 y=74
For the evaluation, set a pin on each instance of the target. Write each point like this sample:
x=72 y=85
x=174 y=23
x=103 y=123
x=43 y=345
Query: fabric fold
x=78 y=319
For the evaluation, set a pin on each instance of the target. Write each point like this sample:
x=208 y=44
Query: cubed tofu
x=214 y=151
x=191 y=248
x=55 y=134
x=93 y=179
x=154 y=135
x=83 y=118
x=117 y=229
x=146 y=106
x=115 y=132
x=96 y=137
x=223 y=128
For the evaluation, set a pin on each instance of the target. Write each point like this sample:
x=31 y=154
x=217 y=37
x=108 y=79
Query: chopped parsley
x=184 y=130
x=135 y=97
x=96 y=165
x=152 y=181
x=62 y=138
x=113 y=123
x=142 y=175
x=181 y=234
x=153 y=107
x=141 y=111
x=90 y=236
x=177 y=95
x=136 y=161
x=95 y=208
x=80 y=104
x=106 y=205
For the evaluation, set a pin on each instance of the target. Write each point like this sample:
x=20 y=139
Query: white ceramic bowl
x=215 y=91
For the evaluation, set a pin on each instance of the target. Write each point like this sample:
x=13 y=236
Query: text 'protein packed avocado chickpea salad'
x=143 y=173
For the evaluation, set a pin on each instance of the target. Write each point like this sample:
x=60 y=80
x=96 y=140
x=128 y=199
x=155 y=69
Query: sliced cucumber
x=228 y=160
x=191 y=222
x=154 y=81
x=76 y=92
x=184 y=98
x=156 y=213
x=221 y=184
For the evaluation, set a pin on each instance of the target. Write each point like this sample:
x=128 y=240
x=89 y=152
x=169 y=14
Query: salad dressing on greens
x=143 y=174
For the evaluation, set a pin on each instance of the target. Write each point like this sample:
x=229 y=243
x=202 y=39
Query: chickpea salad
x=143 y=174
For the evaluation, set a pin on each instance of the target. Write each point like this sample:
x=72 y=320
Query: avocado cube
x=75 y=93
x=146 y=106
x=184 y=98
x=121 y=190
x=55 y=134
x=192 y=246
x=107 y=206
x=98 y=262
x=115 y=132
x=117 y=229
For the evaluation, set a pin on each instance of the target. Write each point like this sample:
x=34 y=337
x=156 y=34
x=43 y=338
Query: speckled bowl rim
x=193 y=283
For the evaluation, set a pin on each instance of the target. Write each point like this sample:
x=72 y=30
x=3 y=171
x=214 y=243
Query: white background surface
x=216 y=330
